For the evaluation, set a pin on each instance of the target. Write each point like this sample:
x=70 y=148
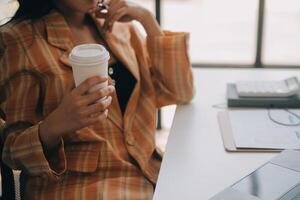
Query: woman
x=67 y=144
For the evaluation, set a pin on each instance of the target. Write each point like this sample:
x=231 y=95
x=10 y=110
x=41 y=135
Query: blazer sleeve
x=20 y=90
x=170 y=68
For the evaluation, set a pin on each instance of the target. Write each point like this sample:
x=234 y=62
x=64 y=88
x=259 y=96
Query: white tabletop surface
x=195 y=165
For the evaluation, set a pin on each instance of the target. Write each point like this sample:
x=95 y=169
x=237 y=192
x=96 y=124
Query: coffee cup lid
x=88 y=54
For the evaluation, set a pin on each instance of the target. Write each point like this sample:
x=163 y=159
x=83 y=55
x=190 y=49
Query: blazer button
x=110 y=71
x=130 y=140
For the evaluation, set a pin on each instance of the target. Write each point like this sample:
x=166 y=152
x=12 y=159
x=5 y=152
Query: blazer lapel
x=59 y=35
x=58 y=32
x=64 y=58
x=124 y=52
x=114 y=111
x=119 y=43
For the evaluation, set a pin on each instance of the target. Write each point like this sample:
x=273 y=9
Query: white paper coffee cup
x=89 y=60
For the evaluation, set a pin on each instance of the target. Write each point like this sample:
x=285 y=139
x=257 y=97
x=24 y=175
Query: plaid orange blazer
x=114 y=159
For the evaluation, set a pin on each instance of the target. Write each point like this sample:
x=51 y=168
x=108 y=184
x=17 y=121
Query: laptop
x=278 y=179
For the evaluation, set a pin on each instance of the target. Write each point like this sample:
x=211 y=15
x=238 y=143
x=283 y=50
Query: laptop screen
x=270 y=182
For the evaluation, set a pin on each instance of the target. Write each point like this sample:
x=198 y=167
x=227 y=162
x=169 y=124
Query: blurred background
x=225 y=33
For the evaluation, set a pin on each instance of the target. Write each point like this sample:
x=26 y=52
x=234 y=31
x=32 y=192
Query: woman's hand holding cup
x=78 y=109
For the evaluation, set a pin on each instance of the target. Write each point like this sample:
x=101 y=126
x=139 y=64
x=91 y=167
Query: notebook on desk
x=260 y=129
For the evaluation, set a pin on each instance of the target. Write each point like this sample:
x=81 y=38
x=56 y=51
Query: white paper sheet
x=256 y=128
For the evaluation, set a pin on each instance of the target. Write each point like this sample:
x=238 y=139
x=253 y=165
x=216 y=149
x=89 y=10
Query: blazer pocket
x=82 y=159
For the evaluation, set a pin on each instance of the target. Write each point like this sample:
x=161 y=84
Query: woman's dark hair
x=33 y=9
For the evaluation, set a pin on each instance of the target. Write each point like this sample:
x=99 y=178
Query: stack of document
x=260 y=129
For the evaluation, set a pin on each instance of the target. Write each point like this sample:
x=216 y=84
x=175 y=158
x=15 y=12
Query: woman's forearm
x=48 y=138
x=150 y=25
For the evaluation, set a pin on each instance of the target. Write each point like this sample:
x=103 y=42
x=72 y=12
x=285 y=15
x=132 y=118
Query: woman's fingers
x=98 y=94
x=88 y=84
x=96 y=117
x=98 y=107
x=115 y=7
x=113 y=18
x=98 y=10
x=118 y=10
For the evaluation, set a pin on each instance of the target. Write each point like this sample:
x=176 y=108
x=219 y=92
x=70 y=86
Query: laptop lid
x=279 y=179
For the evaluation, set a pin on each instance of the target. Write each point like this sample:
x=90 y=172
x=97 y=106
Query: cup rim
x=102 y=56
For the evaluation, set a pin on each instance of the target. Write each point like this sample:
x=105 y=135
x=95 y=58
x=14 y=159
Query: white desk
x=195 y=165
